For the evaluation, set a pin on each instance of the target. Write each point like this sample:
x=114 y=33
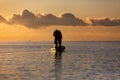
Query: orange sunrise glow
x=78 y=21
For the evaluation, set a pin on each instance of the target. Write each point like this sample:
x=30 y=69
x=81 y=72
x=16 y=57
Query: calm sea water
x=80 y=61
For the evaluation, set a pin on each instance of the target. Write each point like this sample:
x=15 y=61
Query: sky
x=78 y=20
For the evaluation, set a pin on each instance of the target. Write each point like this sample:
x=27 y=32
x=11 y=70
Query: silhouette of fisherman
x=58 y=38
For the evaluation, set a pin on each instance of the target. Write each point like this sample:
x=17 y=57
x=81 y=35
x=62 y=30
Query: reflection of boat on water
x=58 y=61
x=58 y=67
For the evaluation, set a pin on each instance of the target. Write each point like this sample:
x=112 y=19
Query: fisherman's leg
x=55 y=42
x=60 y=42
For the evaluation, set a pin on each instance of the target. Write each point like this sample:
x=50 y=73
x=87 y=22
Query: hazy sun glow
x=21 y=33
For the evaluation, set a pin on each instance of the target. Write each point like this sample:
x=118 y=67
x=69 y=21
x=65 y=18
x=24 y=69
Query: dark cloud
x=27 y=19
x=105 y=22
x=2 y=19
x=30 y=20
x=70 y=19
x=48 y=20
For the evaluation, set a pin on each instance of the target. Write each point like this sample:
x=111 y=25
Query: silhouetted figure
x=58 y=38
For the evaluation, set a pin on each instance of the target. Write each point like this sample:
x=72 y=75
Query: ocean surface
x=99 y=60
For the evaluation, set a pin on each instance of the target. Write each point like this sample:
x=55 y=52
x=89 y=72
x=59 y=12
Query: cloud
x=31 y=20
x=70 y=19
x=27 y=19
x=105 y=22
x=2 y=19
x=48 y=20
